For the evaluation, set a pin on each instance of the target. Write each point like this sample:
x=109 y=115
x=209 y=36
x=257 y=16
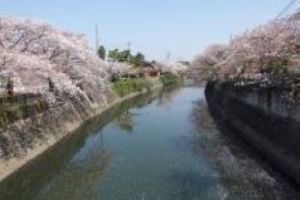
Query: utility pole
x=168 y=55
x=96 y=37
x=97 y=42
x=128 y=45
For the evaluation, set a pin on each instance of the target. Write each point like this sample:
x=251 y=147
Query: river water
x=162 y=146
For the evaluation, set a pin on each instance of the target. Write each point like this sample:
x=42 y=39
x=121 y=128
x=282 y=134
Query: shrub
x=127 y=86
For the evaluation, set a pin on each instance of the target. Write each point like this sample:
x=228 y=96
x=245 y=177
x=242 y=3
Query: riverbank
x=65 y=122
x=266 y=117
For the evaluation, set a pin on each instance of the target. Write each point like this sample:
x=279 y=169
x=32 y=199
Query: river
x=162 y=146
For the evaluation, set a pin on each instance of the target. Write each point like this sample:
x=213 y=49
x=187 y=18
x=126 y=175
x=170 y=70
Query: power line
x=96 y=42
x=290 y=4
x=285 y=9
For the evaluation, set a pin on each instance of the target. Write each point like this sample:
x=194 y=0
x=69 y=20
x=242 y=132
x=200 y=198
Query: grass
x=127 y=86
x=170 y=79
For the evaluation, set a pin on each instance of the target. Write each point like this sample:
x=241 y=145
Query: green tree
x=125 y=56
x=138 y=59
x=113 y=55
x=101 y=52
x=120 y=56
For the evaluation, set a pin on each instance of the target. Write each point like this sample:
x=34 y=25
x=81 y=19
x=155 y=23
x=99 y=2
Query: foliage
x=138 y=59
x=126 y=56
x=101 y=52
x=127 y=86
x=119 y=56
x=168 y=79
x=266 y=51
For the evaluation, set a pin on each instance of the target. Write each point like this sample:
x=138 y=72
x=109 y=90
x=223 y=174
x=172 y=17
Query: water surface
x=163 y=146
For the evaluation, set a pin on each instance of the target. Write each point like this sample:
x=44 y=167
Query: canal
x=158 y=146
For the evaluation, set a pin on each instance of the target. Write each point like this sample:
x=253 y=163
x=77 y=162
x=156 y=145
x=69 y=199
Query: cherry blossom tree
x=175 y=68
x=32 y=52
x=267 y=50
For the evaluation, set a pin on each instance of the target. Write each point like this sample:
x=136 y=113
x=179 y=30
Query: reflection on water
x=159 y=146
x=167 y=95
x=125 y=121
x=79 y=177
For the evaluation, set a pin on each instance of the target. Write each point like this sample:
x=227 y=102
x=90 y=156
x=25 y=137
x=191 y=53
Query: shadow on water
x=244 y=173
x=29 y=180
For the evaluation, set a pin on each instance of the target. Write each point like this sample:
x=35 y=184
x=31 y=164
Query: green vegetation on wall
x=127 y=86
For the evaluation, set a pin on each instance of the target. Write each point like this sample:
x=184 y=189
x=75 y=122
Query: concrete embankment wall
x=265 y=117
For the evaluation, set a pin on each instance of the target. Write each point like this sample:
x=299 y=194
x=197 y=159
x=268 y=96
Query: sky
x=180 y=28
